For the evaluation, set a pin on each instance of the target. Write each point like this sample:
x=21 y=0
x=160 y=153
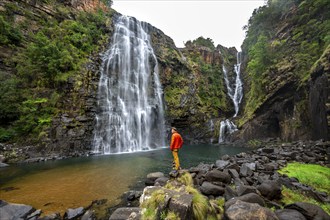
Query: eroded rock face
x=86 y=5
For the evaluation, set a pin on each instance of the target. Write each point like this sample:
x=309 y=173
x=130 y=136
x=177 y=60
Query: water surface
x=55 y=186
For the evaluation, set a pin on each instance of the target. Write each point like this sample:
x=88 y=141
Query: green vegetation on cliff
x=284 y=39
x=194 y=86
x=42 y=47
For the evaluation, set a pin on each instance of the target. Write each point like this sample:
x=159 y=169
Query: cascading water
x=236 y=95
x=130 y=105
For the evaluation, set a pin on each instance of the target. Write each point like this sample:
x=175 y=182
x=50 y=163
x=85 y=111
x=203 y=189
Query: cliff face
x=49 y=72
x=193 y=84
x=286 y=72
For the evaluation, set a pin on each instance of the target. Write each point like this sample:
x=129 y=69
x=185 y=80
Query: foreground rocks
x=250 y=184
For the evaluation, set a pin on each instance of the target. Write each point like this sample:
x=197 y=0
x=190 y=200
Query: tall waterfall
x=235 y=92
x=130 y=97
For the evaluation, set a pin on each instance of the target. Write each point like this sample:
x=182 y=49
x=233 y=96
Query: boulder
x=310 y=211
x=233 y=173
x=244 y=189
x=245 y=170
x=161 y=181
x=182 y=206
x=178 y=202
x=289 y=214
x=218 y=176
x=74 y=213
x=35 y=215
x=151 y=178
x=251 y=198
x=246 y=211
x=14 y=211
x=234 y=166
x=270 y=189
x=229 y=193
x=221 y=164
x=155 y=175
x=208 y=188
x=89 y=215
x=126 y=213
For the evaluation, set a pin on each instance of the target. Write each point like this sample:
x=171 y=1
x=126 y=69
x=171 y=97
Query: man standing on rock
x=176 y=144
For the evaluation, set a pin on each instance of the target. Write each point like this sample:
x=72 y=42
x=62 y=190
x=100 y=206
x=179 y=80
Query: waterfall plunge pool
x=55 y=186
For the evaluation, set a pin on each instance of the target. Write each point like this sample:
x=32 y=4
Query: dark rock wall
x=319 y=100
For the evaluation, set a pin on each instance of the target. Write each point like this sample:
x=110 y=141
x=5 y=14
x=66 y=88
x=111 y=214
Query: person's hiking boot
x=174 y=173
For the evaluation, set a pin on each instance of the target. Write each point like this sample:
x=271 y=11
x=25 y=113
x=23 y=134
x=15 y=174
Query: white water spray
x=235 y=92
x=130 y=105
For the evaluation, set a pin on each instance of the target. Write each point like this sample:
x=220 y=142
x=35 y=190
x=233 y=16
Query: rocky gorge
x=291 y=103
x=48 y=111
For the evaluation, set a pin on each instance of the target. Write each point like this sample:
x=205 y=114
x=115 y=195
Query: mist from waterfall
x=235 y=92
x=130 y=113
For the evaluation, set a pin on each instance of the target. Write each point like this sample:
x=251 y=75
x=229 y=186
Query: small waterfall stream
x=130 y=113
x=235 y=92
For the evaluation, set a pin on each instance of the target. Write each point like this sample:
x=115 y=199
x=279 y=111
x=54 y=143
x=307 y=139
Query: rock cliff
x=286 y=73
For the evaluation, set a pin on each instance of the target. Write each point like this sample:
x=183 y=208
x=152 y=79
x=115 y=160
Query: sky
x=183 y=20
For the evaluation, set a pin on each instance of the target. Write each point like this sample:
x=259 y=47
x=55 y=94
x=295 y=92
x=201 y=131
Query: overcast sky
x=183 y=20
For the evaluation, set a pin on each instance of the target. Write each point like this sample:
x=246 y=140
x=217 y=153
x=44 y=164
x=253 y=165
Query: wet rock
x=201 y=168
x=74 y=213
x=246 y=211
x=233 y=173
x=243 y=190
x=151 y=178
x=208 y=188
x=126 y=213
x=218 y=176
x=270 y=189
x=14 y=211
x=35 y=215
x=310 y=211
x=245 y=170
x=88 y=215
x=234 y=166
x=251 y=198
x=53 y=216
x=133 y=195
x=161 y=181
x=221 y=164
x=289 y=214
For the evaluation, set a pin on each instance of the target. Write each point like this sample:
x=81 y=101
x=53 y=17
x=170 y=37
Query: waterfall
x=130 y=113
x=235 y=92
x=226 y=127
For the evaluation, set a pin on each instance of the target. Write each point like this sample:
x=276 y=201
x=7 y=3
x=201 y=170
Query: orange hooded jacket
x=176 y=141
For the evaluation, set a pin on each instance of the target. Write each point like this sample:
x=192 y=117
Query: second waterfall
x=130 y=97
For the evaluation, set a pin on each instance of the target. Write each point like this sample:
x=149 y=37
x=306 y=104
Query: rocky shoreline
x=248 y=182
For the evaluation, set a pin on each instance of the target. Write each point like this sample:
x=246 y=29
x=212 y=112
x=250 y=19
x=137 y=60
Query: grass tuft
x=200 y=203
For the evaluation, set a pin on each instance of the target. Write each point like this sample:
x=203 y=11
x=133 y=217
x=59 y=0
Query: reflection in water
x=58 y=185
